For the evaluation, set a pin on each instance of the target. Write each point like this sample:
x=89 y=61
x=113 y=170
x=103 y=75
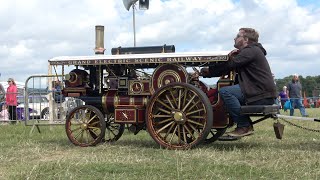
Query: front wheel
x=85 y=126
x=179 y=116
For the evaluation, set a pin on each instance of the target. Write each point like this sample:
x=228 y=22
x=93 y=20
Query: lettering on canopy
x=155 y=60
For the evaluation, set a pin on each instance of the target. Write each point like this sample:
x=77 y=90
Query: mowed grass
x=49 y=155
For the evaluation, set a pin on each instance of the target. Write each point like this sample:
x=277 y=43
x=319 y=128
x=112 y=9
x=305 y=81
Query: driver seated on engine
x=256 y=85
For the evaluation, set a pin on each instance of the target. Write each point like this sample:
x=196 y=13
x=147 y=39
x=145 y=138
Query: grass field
x=50 y=155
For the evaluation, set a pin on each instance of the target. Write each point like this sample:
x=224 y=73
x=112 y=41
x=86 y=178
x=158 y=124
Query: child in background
x=4 y=115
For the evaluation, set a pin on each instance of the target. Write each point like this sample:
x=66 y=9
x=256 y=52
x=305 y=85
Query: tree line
x=310 y=84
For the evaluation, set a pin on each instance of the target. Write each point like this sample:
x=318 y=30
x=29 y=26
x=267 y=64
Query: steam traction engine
x=177 y=109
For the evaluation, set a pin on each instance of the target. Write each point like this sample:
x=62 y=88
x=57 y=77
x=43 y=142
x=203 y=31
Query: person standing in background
x=283 y=96
x=2 y=96
x=294 y=92
x=11 y=100
x=4 y=115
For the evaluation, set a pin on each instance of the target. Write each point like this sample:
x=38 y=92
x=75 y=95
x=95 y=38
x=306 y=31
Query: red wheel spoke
x=169 y=101
x=179 y=99
x=164 y=121
x=76 y=129
x=173 y=98
x=79 y=133
x=173 y=134
x=165 y=111
x=164 y=127
x=92 y=118
x=184 y=134
x=195 y=122
x=189 y=131
x=194 y=129
x=194 y=105
x=170 y=129
x=190 y=101
x=161 y=116
x=196 y=111
x=164 y=104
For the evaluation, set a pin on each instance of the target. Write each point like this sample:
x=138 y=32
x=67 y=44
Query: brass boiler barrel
x=111 y=99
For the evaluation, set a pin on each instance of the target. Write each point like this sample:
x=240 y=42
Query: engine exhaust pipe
x=99 y=49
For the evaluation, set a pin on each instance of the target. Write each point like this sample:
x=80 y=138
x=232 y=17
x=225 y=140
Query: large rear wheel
x=179 y=116
x=85 y=126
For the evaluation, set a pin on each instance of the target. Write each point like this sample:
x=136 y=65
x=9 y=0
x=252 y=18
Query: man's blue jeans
x=297 y=103
x=233 y=98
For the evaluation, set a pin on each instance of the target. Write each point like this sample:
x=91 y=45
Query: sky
x=34 y=31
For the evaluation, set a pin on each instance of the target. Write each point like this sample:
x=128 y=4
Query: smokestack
x=99 y=49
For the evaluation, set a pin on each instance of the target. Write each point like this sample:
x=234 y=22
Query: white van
x=39 y=103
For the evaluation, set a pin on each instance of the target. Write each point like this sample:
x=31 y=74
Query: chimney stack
x=99 y=49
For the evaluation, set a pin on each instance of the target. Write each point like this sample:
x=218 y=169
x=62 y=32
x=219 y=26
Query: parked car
x=64 y=108
x=38 y=103
x=20 y=113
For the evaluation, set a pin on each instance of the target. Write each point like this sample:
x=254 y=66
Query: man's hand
x=233 y=53
x=195 y=75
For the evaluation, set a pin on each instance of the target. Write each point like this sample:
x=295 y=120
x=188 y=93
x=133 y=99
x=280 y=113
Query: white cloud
x=311 y=35
x=20 y=50
x=34 y=31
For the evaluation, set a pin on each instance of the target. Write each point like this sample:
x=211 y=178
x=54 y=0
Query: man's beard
x=238 y=44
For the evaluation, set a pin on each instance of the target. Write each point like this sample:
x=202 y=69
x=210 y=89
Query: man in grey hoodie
x=256 y=85
x=294 y=92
